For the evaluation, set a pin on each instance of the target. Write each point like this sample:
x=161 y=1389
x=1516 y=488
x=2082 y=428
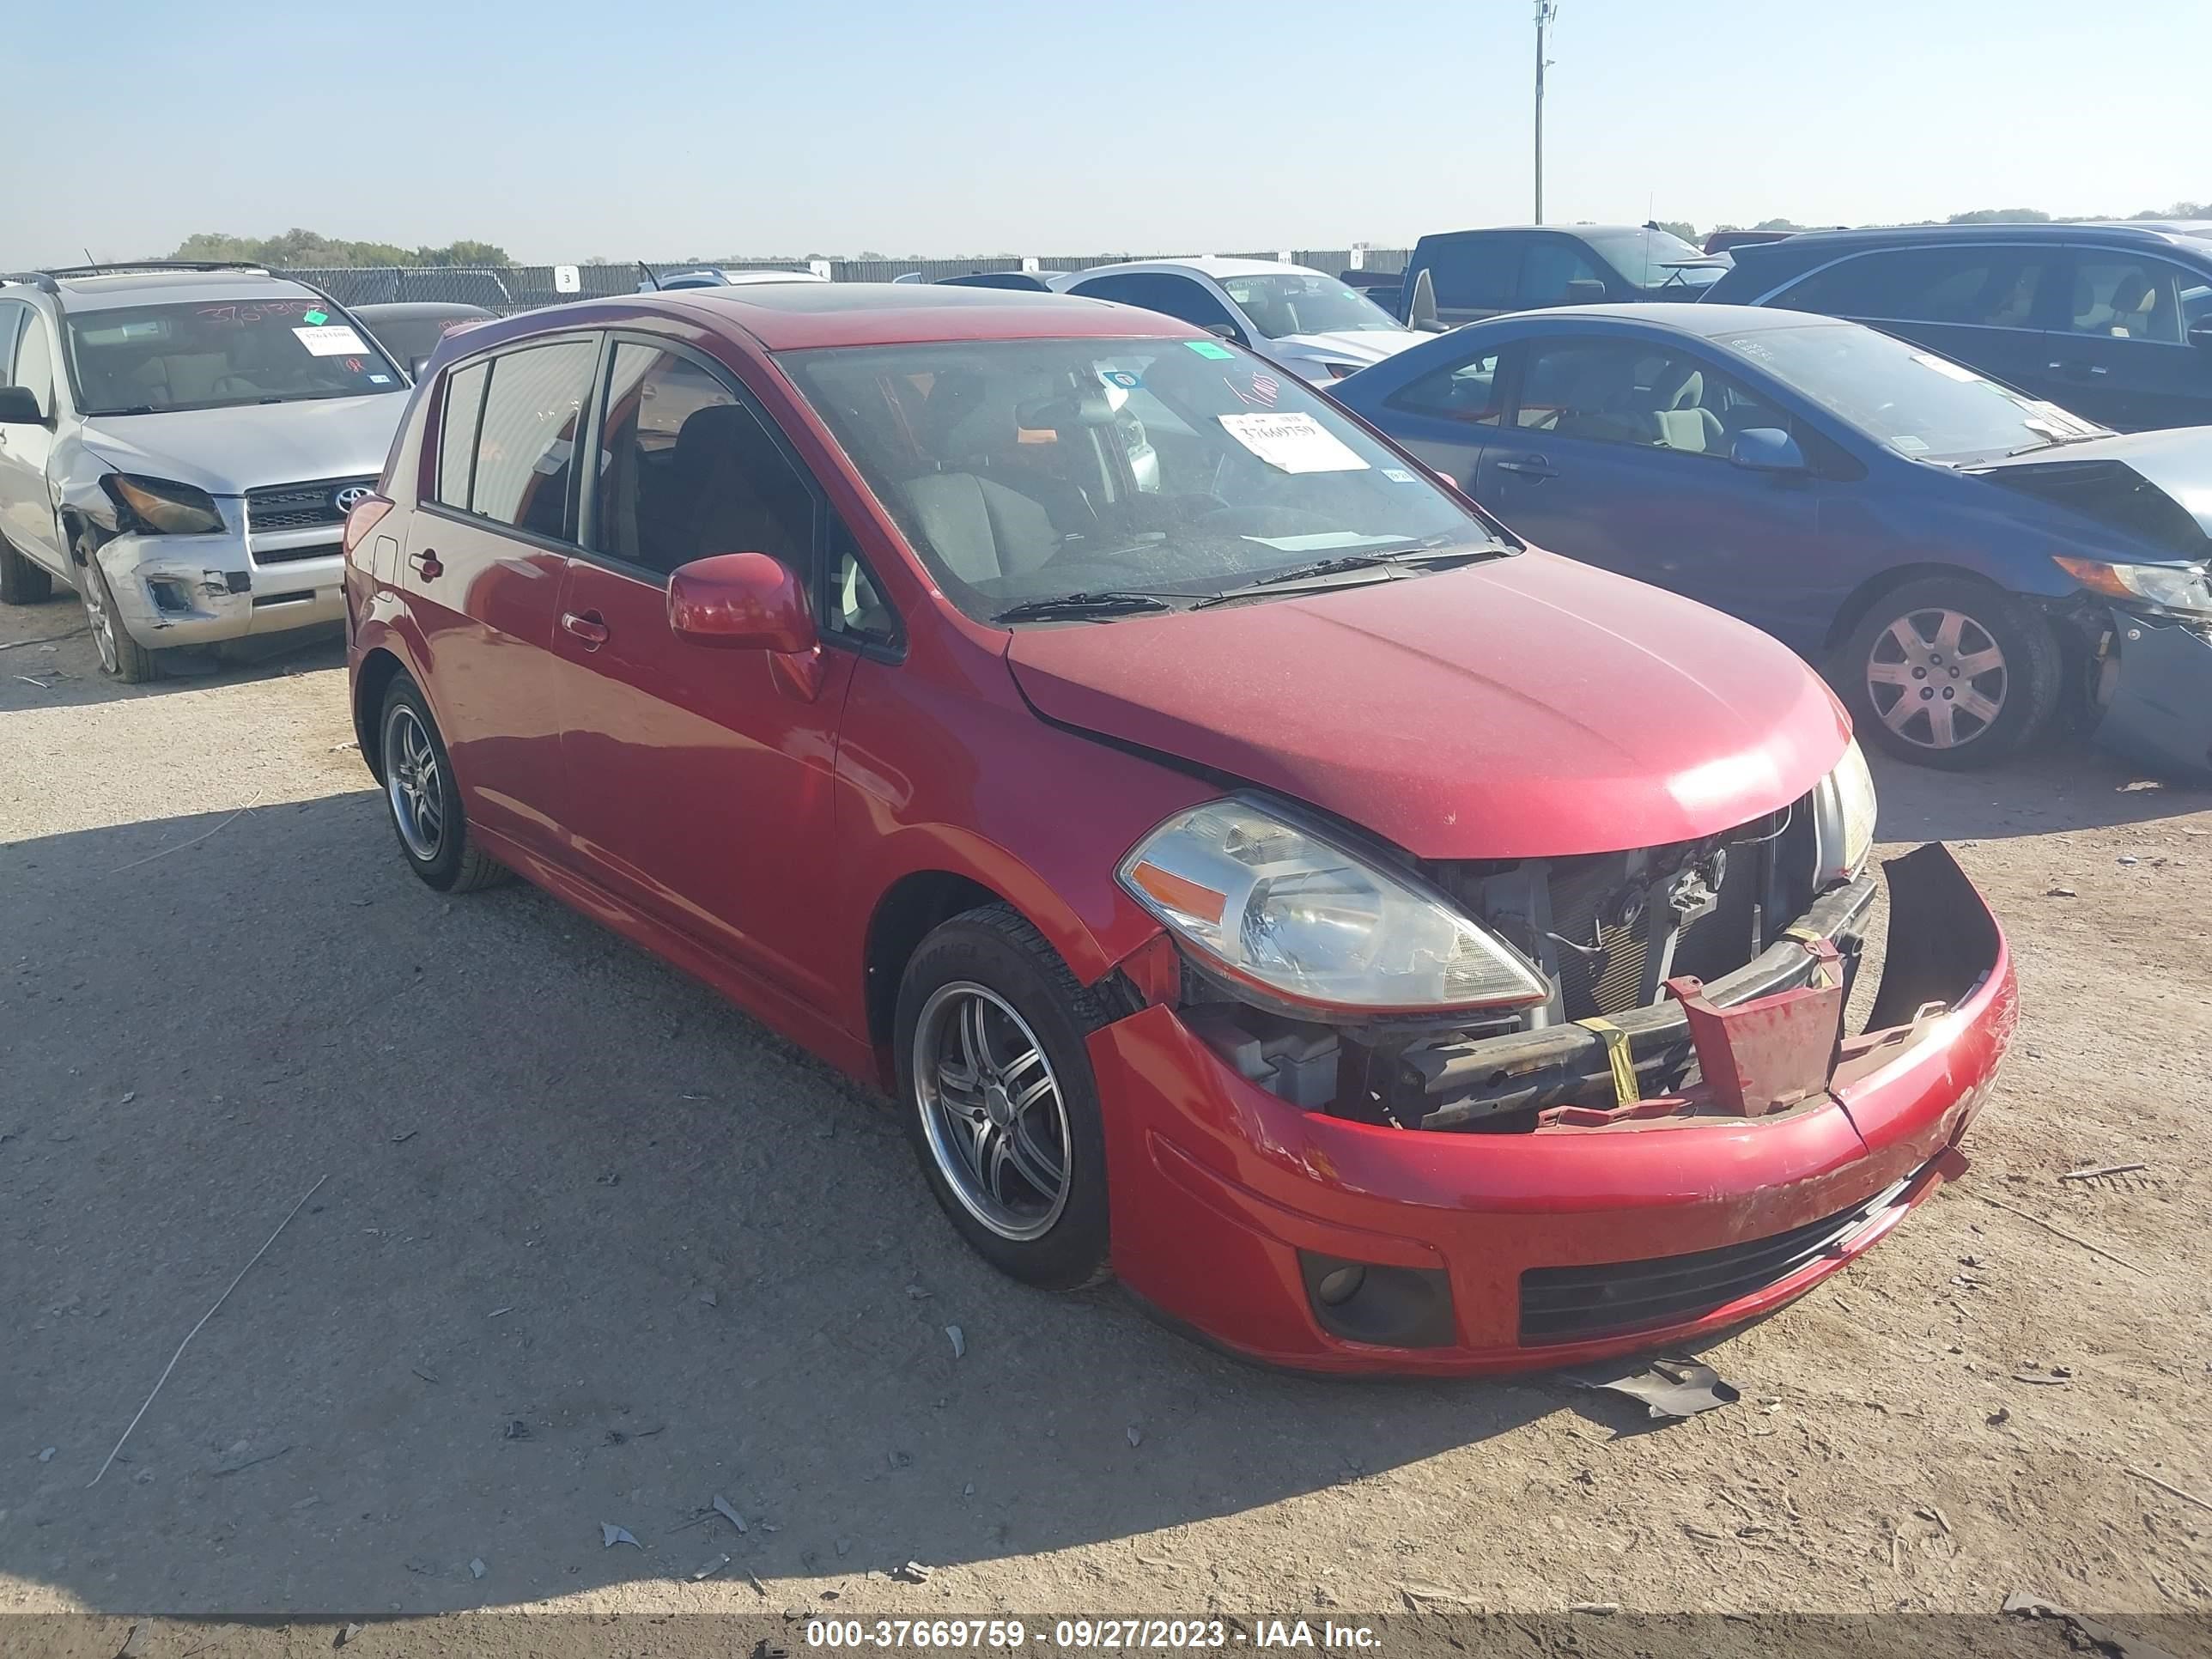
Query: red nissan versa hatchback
x=1381 y=945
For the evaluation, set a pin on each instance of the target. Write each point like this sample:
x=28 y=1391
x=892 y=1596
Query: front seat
x=2133 y=298
x=981 y=529
x=714 y=496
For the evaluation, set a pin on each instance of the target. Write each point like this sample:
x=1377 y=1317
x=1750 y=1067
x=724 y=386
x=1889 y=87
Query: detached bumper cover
x=1576 y=1240
x=2160 y=711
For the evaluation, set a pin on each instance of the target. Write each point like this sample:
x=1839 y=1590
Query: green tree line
x=308 y=247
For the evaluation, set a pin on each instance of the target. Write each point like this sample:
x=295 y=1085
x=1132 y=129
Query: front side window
x=1158 y=290
x=1283 y=303
x=1554 y=263
x=139 y=360
x=1655 y=259
x=1477 y=271
x=1472 y=392
x=526 y=444
x=1982 y=287
x=1168 y=470
x=1917 y=403
x=2123 y=298
x=688 y=471
x=1629 y=391
x=34 y=362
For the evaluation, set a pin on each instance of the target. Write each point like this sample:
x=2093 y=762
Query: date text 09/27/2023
x=1092 y=1635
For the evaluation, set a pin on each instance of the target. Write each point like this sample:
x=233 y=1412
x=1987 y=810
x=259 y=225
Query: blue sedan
x=1955 y=553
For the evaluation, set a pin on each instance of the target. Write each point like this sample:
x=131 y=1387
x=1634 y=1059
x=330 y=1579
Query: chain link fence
x=505 y=288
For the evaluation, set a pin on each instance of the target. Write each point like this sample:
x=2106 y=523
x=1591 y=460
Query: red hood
x=1526 y=708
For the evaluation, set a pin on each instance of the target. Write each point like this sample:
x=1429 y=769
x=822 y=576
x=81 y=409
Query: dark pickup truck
x=1474 y=274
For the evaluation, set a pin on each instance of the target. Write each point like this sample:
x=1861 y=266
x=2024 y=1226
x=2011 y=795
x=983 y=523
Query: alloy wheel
x=1937 y=678
x=102 y=619
x=414 y=783
x=992 y=1110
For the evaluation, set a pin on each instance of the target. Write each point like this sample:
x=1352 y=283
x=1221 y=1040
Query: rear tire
x=22 y=582
x=423 y=799
x=1950 y=673
x=1014 y=1147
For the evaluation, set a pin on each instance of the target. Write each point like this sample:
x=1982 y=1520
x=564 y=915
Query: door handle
x=425 y=564
x=2079 y=368
x=1528 y=466
x=590 y=628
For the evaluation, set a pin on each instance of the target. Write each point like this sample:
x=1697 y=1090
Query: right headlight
x=1285 y=911
x=1846 y=808
x=159 y=507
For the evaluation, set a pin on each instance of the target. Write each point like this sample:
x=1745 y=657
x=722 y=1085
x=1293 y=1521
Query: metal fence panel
x=506 y=288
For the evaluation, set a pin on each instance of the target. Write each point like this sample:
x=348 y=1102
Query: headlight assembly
x=1284 y=911
x=158 y=506
x=1844 y=809
x=2181 y=588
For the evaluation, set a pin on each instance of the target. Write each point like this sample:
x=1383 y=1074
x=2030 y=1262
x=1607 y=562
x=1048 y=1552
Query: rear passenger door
x=699 y=780
x=2122 y=355
x=486 y=554
x=1982 y=303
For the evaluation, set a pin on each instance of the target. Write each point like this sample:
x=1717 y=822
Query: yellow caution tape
x=1616 y=1053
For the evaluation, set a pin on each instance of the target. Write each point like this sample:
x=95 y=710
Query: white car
x=1304 y=320
x=715 y=277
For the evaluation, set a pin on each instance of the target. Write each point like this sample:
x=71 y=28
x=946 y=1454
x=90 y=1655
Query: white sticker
x=1906 y=442
x=1945 y=367
x=332 y=340
x=380 y=380
x=1399 y=475
x=1295 y=443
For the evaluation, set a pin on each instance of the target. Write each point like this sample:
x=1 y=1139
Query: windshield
x=218 y=355
x=1284 y=302
x=1919 y=403
x=1654 y=258
x=1027 y=470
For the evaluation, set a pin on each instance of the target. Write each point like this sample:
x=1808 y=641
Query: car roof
x=1207 y=264
x=1703 y=320
x=405 y=310
x=2166 y=233
x=141 y=287
x=1563 y=230
x=797 y=316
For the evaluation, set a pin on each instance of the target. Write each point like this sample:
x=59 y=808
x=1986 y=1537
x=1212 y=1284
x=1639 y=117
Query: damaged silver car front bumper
x=172 y=590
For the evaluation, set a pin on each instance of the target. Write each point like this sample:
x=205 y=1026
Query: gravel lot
x=592 y=1248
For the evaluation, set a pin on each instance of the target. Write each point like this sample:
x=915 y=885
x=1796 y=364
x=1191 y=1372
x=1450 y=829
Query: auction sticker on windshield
x=1295 y=443
x=332 y=340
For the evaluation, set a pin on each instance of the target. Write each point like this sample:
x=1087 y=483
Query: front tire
x=1950 y=673
x=999 y=1100
x=121 y=657
x=424 y=803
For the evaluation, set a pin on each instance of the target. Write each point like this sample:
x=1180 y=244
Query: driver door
x=27 y=508
x=698 y=781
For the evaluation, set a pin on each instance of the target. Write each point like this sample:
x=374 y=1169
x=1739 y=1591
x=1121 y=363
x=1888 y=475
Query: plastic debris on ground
x=1668 y=1389
x=722 y=1507
x=476 y=1568
x=959 y=1341
x=611 y=1534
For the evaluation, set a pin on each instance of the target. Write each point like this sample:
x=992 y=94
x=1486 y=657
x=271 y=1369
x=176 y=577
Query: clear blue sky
x=667 y=128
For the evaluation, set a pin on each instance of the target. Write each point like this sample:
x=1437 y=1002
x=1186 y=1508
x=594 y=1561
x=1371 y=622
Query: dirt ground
x=591 y=1248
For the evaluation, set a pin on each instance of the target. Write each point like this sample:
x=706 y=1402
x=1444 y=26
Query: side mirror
x=1421 y=304
x=2200 y=337
x=1767 y=449
x=416 y=365
x=19 y=406
x=1584 y=291
x=741 y=602
x=1228 y=332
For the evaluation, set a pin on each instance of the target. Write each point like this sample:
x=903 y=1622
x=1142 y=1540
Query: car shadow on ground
x=2065 y=783
x=47 y=660
x=589 y=1248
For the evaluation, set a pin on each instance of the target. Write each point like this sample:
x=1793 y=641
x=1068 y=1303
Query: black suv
x=2111 y=321
x=1476 y=274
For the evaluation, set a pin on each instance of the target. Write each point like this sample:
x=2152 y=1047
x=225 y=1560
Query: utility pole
x=1547 y=11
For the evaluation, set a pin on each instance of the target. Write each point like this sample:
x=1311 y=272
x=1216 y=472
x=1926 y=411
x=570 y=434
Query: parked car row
x=1258 y=872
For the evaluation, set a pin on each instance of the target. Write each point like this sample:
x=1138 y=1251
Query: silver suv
x=181 y=444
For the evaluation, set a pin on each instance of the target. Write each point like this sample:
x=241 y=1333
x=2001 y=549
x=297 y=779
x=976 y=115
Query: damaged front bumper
x=1601 y=1224
x=2156 y=692
x=202 y=590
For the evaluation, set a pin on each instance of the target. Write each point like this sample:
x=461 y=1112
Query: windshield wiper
x=2056 y=442
x=1062 y=607
x=1381 y=563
